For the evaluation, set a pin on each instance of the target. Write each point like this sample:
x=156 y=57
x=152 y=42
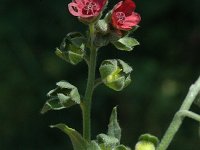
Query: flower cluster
x=123 y=15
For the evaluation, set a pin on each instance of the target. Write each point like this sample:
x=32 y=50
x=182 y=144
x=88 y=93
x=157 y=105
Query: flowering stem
x=180 y=115
x=86 y=107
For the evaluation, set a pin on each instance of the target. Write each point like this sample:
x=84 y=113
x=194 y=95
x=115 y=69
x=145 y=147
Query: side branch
x=177 y=120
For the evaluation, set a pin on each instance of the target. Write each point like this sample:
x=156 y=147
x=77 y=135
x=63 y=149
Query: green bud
x=102 y=26
x=147 y=142
x=115 y=74
x=143 y=145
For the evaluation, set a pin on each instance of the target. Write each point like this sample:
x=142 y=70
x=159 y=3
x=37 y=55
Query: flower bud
x=147 y=142
x=115 y=74
x=102 y=26
x=142 y=145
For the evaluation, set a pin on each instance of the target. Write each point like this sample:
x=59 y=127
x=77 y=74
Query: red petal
x=74 y=9
x=132 y=20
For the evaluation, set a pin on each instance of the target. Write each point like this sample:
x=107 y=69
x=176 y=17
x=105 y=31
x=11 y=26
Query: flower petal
x=74 y=9
x=133 y=19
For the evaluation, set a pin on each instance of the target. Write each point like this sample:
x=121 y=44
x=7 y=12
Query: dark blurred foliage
x=165 y=65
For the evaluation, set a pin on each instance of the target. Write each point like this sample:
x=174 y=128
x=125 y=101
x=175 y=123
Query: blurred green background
x=165 y=64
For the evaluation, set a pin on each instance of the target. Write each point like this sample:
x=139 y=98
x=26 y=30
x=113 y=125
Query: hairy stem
x=178 y=119
x=189 y=114
x=86 y=107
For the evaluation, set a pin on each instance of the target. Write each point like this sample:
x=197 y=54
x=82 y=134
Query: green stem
x=178 y=119
x=86 y=107
x=189 y=114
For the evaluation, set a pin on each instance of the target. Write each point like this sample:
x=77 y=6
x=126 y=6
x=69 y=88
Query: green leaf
x=77 y=140
x=63 y=96
x=126 y=43
x=93 y=146
x=107 y=140
x=114 y=129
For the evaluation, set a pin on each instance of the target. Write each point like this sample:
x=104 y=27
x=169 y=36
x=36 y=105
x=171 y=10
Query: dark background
x=165 y=64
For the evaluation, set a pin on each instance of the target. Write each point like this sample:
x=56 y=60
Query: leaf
x=77 y=140
x=93 y=146
x=114 y=129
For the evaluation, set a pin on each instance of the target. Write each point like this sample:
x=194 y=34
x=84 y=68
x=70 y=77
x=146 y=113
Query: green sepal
x=107 y=141
x=126 y=43
x=128 y=33
x=114 y=129
x=149 y=138
x=72 y=48
x=101 y=40
x=115 y=74
x=63 y=96
x=102 y=26
x=93 y=146
x=78 y=142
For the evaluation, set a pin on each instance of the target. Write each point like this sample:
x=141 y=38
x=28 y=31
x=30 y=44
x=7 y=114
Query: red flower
x=123 y=15
x=86 y=8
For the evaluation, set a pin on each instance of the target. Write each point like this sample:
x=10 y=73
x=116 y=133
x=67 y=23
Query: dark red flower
x=123 y=15
x=86 y=8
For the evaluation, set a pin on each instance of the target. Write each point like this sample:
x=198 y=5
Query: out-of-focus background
x=165 y=64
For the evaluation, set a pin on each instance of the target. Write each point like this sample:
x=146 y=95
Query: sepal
x=72 y=48
x=115 y=74
x=63 y=96
x=102 y=26
x=147 y=142
x=125 y=43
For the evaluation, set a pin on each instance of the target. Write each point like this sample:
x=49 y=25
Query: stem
x=86 y=107
x=189 y=114
x=178 y=119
